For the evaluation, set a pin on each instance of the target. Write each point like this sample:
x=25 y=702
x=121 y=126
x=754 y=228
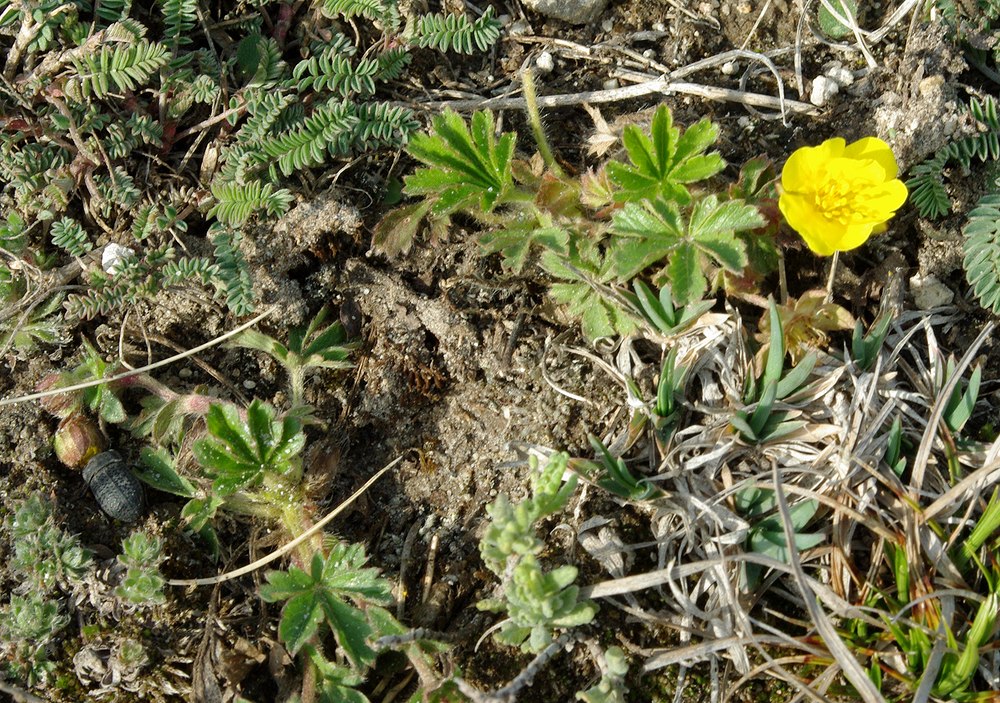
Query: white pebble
x=545 y=63
x=608 y=24
x=111 y=259
x=249 y=385
x=185 y=373
x=729 y=68
x=610 y=84
x=841 y=75
x=823 y=89
x=929 y=292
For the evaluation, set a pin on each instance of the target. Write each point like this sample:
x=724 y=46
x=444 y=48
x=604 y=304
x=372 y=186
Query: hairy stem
x=535 y=120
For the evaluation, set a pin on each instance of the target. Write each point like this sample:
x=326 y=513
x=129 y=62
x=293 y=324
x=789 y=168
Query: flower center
x=843 y=194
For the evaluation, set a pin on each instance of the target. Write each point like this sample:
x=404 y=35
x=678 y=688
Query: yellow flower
x=835 y=195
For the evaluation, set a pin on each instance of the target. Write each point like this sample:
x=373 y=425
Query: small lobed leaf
x=664 y=161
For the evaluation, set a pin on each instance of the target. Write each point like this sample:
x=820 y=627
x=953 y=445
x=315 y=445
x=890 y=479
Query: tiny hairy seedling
x=44 y=559
x=28 y=624
x=142 y=584
x=309 y=348
x=44 y=555
x=538 y=602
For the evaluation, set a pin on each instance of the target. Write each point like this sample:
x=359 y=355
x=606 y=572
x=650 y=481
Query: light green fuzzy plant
x=143 y=584
x=47 y=562
x=539 y=603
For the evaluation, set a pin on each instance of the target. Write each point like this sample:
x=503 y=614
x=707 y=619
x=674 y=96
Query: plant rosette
x=836 y=195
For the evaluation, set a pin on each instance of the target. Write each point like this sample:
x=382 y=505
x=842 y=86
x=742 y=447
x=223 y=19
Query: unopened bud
x=78 y=440
x=61 y=404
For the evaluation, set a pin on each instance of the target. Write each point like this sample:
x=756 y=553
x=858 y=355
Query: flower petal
x=799 y=171
x=854 y=235
x=878 y=151
x=888 y=198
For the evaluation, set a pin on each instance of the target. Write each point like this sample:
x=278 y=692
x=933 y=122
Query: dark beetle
x=115 y=488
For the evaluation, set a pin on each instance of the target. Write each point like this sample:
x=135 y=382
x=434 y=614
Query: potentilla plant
x=662 y=217
x=222 y=457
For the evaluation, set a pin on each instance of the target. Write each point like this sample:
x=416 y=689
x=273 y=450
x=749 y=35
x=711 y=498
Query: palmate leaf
x=466 y=169
x=322 y=594
x=514 y=242
x=657 y=231
x=665 y=160
x=582 y=270
x=238 y=453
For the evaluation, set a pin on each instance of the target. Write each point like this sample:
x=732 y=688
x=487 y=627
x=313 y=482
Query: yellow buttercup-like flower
x=835 y=195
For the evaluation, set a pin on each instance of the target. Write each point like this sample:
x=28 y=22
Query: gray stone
x=572 y=11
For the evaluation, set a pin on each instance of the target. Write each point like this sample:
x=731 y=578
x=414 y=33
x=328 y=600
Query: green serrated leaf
x=464 y=169
x=300 y=618
x=664 y=160
x=351 y=629
x=684 y=273
x=158 y=471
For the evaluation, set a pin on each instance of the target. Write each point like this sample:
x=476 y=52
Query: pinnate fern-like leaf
x=117 y=67
x=369 y=9
x=465 y=168
x=69 y=234
x=926 y=181
x=453 y=32
x=664 y=161
x=329 y=130
x=235 y=203
x=179 y=18
x=233 y=270
x=982 y=251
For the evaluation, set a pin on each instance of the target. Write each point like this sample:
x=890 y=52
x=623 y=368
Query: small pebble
x=249 y=385
x=648 y=54
x=729 y=68
x=519 y=28
x=545 y=63
x=185 y=373
x=841 y=75
x=608 y=24
x=823 y=89
x=929 y=292
x=610 y=84
x=111 y=259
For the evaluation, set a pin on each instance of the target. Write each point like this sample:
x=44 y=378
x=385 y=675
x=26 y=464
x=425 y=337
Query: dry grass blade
x=852 y=670
x=145 y=369
x=278 y=553
x=937 y=411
